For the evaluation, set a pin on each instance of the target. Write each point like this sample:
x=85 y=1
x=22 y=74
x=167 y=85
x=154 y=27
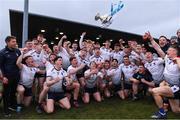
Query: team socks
x=161 y=111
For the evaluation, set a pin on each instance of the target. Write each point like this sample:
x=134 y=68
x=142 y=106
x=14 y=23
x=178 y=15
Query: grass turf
x=112 y=108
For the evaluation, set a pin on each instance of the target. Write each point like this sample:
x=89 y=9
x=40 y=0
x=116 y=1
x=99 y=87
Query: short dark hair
x=149 y=52
x=72 y=58
x=52 y=54
x=115 y=60
x=107 y=61
x=177 y=48
x=57 y=58
x=141 y=64
x=126 y=56
x=28 y=41
x=24 y=59
x=117 y=44
x=162 y=36
x=92 y=63
x=9 y=38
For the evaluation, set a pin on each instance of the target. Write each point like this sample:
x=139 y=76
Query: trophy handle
x=97 y=16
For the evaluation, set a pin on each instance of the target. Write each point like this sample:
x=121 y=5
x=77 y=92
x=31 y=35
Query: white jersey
x=29 y=53
x=105 y=74
x=54 y=73
x=76 y=53
x=46 y=55
x=118 y=55
x=27 y=76
x=128 y=71
x=171 y=72
x=38 y=59
x=72 y=76
x=115 y=74
x=88 y=56
x=156 y=68
x=97 y=59
x=82 y=61
x=105 y=53
x=92 y=81
x=132 y=57
x=142 y=57
x=104 y=71
x=65 y=57
x=48 y=65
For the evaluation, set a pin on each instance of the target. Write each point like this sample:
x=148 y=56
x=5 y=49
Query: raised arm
x=121 y=41
x=19 y=61
x=61 y=41
x=154 y=44
x=68 y=49
x=81 y=40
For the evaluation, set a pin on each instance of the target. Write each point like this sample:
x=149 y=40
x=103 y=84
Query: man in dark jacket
x=10 y=72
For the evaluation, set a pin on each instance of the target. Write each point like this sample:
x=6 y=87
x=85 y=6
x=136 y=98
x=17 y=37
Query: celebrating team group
x=74 y=72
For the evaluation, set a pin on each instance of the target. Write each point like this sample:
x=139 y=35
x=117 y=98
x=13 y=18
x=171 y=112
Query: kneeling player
x=24 y=88
x=105 y=83
x=171 y=87
x=92 y=76
x=54 y=81
x=128 y=70
x=115 y=75
x=49 y=65
x=74 y=86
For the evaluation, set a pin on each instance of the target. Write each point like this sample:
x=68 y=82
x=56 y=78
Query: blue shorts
x=177 y=95
x=127 y=86
x=56 y=96
x=91 y=90
x=117 y=87
x=38 y=75
x=28 y=91
x=176 y=92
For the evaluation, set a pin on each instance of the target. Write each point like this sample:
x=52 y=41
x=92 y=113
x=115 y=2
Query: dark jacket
x=8 y=58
